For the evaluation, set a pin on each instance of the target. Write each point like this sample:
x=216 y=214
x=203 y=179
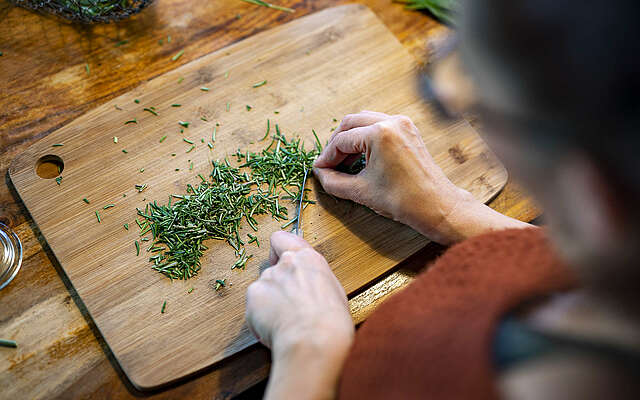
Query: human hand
x=400 y=181
x=298 y=299
x=299 y=310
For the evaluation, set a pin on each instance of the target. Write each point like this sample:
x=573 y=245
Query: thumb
x=340 y=184
x=353 y=141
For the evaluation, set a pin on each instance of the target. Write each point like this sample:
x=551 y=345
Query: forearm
x=309 y=370
x=467 y=218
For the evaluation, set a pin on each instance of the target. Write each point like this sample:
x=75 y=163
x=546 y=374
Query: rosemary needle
x=57 y=145
x=137 y=248
x=86 y=68
x=268 y=129
x=213 y=135
x=164 y=306
x=183 y=123
x=187 y=140
x=248 y=107
x=163 y=138
x=176 y=105
x=115 y=139
x=136 y=101
x=59 y=180
x=6 y=342
x=98 y=216
x=85 y=200
x=108 y=206
x=151 y=111
x=257 y=85
x=178 y=55
x=132 y=121
x=126 y=227
x=204 y=89
x=191 y=148
x=269 y=5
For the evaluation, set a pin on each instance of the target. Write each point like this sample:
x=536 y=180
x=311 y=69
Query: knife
x=298 y=228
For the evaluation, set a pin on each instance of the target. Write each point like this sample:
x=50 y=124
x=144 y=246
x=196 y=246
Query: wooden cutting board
x=318 y=68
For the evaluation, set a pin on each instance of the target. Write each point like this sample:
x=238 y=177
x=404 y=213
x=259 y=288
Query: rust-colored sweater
x=434 y=339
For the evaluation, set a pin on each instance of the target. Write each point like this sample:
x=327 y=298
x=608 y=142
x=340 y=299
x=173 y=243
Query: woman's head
x=558 y=84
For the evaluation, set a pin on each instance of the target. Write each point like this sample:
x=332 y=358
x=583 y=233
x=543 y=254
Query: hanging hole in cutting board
x=49 y=166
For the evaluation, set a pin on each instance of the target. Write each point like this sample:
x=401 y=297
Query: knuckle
x=404 y=123
x=386 y=132
x=287 y=258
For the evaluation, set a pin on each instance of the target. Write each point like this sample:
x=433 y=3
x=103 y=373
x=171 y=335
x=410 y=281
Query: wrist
x=308 y=365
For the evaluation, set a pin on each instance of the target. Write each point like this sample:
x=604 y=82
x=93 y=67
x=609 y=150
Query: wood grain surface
x=306 y=86
x=43 y=63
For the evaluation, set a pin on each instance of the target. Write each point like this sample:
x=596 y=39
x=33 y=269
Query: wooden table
x=45 y=85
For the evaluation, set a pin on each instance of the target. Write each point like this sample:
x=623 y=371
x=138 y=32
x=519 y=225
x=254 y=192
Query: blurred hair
x=573 y=65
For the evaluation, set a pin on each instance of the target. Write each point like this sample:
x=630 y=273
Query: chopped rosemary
x=220 y=283
x=190 y=290
x=86 y=68
x=126 y=227
x=228 y=106
x=248 y=107
x=57 y=145
x=125 y=151
x=176 y=105
x=137 y=248
x=115 y=139
x=183 y=123
x=204 y=89
x=85 y=200
x=213 y=134
x=141 y=170
x=108 y=206
x=269 y=5
x=152 y=111
x=187 y=140
x=257 y=85
x=267 y=132
x=7 y=342
x=59 y=180
x=136 y=101
x=132 y=121
x=178 y=55
x=163 y=138
x=122 y=42
x=191 y=148
x=218 y=207
x=140 y=188
x=164 y=306
x=180 y=79
x=98 y=216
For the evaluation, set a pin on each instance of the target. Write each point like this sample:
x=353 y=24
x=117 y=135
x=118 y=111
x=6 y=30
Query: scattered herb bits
x=57 y=145
x=176 y=105
x=178 y=55
x=6 y=342
x=86 y=68
x=151 y=110
x=136 y=101
x=248 y=107
x=187 y=140
x=108 y=206
x=269 y=5
x=115 y=139
x=257 y=85
x=125 y=151
x=126 y=226
x=85 y=200
x=162 y=138
x=140 y=188
x=137 y=248
x=204 y=89
x=164 y=307
x=98 y=216
x=183 y=124
x=59 y=180
x=220 y=283
x=131 y=121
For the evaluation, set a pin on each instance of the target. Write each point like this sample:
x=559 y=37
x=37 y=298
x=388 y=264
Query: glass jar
x=10 y=255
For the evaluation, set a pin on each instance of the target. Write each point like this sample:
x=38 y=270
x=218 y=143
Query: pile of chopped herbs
x=217 y=207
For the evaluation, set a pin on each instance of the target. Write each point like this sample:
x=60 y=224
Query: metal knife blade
x=298 y=228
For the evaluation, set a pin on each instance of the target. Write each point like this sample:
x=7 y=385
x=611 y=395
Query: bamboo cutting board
x=318 y=68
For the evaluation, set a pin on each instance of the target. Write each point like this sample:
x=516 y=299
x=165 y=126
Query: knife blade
x=298 y=228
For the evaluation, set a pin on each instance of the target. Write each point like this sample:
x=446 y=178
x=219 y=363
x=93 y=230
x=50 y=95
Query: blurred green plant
x=86 y=11
x=444 y=10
